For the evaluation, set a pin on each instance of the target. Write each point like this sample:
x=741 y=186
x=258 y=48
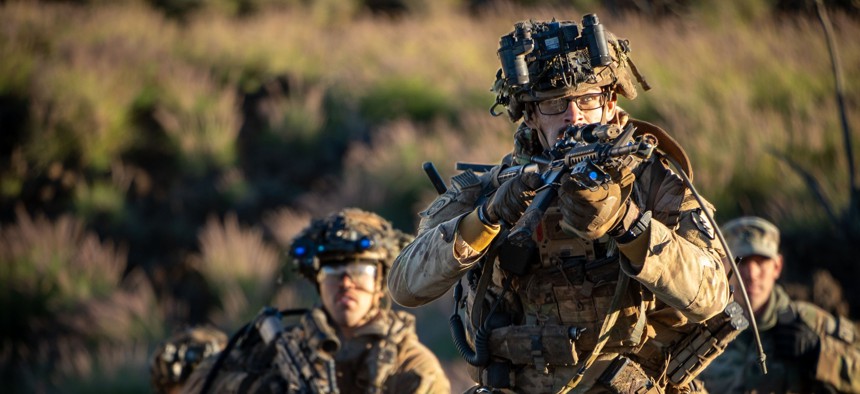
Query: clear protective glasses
x=585 y=102
x=361 y=273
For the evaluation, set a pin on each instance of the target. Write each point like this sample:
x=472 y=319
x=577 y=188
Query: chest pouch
x=518 y=259
x=699 y=348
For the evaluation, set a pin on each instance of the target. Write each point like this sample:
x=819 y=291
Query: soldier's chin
x=344 y=317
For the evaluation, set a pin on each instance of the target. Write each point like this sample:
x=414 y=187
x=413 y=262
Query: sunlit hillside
x=156 y=164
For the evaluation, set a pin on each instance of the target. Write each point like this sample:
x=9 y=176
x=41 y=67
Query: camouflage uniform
x=832 y=366
x=382 y=354
x=837 y=370
x=552 y=316
x=681 y=280
x=361 y=363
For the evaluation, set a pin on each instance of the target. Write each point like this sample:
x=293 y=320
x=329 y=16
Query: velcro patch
x=441 y=202
x=702 y=223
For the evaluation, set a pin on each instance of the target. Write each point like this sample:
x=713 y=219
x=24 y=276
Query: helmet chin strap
x=527 y=113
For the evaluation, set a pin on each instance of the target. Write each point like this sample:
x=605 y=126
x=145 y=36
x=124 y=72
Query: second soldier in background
x=352 y=342
x=808 y=350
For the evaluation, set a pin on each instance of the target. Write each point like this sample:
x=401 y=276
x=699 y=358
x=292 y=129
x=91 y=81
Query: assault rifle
x=295 y=359
x=586 y=153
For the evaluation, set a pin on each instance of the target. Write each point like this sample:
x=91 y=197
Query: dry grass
x=65 y=296
x=731 y=86
x=240 y=265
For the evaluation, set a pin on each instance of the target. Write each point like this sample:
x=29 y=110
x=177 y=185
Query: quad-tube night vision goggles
x=543 y=42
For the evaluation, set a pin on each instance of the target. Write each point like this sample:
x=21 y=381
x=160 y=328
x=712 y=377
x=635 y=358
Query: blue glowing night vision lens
x=300 y=250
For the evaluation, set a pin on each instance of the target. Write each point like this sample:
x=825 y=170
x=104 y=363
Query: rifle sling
x=665 y=144
x=478 y=317
x=605 y=330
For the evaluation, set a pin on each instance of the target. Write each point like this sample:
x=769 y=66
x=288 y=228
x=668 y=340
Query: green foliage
x=100 y=198
x=176 y=130
x=412 y=98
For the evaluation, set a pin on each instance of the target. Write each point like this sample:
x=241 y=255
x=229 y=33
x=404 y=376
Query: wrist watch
x=636 y=229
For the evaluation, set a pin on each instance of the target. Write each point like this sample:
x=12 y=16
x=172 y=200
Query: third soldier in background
x=352 y=343
x=176 y=357
x=808 y=350
x=617 y=279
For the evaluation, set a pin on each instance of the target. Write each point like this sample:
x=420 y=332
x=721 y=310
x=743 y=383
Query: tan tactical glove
x=512 y=198
x=591 y=214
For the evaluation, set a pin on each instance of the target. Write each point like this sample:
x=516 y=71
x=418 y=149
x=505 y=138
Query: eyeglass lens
x=586 y=102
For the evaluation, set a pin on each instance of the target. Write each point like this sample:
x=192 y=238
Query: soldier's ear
x=777 y=265
x=611 y=106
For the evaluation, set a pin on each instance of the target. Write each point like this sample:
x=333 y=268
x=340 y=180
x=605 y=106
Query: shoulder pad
x=845 y=330
x=666 y=144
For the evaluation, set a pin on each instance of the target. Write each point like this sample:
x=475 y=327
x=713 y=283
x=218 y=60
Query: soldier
x=615 y=278
x=353 y=342
x=808 y=350
x=174 y=359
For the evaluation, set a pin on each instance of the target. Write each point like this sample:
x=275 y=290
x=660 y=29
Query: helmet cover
x=544 y=60
x=346 y=236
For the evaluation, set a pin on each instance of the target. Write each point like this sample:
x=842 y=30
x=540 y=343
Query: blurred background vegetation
x=156 y=156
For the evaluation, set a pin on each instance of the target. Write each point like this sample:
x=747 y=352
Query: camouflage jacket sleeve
x=839 y=357
x=436 y=259
x=678 y=258
x=681 y=263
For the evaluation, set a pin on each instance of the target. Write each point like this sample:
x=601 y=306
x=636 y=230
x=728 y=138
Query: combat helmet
x=175 y=359
x=544 y=60
x=346 y=236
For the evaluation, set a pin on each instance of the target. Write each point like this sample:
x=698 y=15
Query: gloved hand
x=591 y=214
x=512 y=198
x=796 y=340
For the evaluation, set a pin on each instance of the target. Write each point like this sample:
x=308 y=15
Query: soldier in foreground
x=352 y=343
x=614 y=278
x=809 y=350
x=176 y=358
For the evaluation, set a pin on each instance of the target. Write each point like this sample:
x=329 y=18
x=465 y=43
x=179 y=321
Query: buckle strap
x=603 y=336
x=537 y=354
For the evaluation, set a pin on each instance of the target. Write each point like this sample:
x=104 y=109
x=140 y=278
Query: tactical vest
x=365 y=362
x=551 y=314
x=558 y=307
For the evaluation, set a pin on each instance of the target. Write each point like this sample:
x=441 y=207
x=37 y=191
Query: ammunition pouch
x=626 y=376
x=699 y=348
x=545 y=345
x=534 y=345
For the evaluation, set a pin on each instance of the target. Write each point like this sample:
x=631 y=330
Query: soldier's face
x=759 y=274
x=349 y=292
x=551 y=127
